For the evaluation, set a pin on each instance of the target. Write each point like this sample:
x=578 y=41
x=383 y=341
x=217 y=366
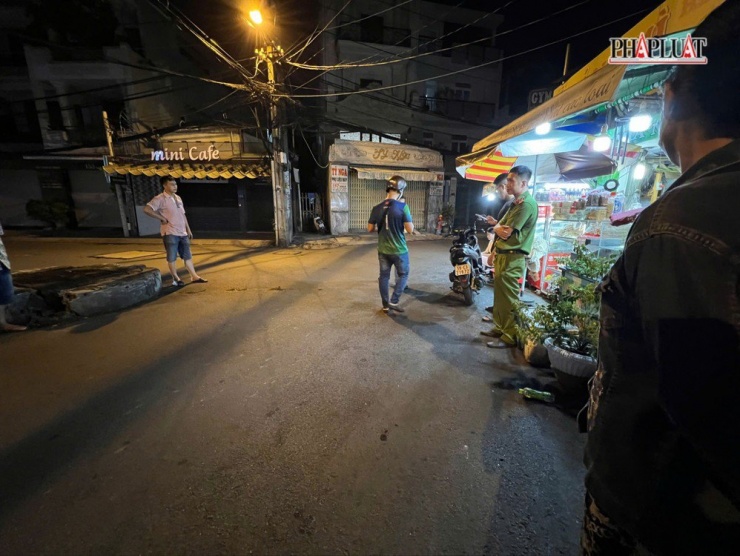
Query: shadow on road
x=28 y=465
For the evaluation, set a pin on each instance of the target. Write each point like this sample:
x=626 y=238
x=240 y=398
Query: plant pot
x=536 y=354
x=573 y=386
x=569 y=363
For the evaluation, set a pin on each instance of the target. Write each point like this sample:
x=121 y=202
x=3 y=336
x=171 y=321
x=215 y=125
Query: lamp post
x=269 y=54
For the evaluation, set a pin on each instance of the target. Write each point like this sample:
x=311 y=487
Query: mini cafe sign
x=197 y=153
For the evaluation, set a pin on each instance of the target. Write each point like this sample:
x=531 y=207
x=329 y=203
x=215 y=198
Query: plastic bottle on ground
x=541 y=395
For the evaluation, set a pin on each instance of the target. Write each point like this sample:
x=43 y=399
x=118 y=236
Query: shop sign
x=195 y=154
x=539 y=96
x=384 y=154
x=339 y=179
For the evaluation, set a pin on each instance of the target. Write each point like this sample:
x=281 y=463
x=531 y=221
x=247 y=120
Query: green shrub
x=586 y=264
x=54 y=213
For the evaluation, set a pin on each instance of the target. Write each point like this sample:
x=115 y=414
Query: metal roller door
x=365 y=194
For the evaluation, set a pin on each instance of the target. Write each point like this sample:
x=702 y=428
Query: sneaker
x=396 y=307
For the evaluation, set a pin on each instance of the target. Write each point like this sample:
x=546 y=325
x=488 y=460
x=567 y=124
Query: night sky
x=541 y=68
x=544 y=67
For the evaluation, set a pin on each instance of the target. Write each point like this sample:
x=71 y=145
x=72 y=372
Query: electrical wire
x=409 y=36
x=317 y=35
x=545 y=18
x=387 y=98
x=405 y=9
x=381 y=12
x=172 y=13
x=322 y=166
x=431 y=53
x=484 y=64
x=407 y=124
x=237 y=86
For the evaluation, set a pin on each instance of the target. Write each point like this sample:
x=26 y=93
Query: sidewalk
x=251 y=240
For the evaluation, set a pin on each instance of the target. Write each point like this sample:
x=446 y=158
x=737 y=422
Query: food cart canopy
x=574 y=165
x=597 y=89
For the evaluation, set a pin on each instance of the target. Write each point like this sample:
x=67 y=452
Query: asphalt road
x=278 y=410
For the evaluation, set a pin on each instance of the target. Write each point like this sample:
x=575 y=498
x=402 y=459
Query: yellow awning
x=251 y=170
x=591 y=92
x=672 y=16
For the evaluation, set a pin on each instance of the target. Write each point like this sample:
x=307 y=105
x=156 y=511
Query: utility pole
x=567 y=61
x=279 y=156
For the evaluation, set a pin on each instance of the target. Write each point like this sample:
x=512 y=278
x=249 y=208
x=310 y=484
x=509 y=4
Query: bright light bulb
x=256 y=17
x=602 y=143
x=543 y=129
x=490 y=196
x=639 y=172
x=641 y=122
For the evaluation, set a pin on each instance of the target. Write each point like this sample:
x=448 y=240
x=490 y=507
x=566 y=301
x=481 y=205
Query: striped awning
x=490 y=167
x=251 y=170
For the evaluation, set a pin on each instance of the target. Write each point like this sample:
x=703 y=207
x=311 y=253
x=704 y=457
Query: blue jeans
x=177 y=245
x=401 y=262
x=6 y=286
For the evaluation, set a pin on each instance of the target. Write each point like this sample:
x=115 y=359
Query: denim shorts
x=177 y=245
x=6 y=285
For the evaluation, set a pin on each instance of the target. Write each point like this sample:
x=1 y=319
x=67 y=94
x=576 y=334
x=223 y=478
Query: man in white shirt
x=6 y=289
x=167 y=207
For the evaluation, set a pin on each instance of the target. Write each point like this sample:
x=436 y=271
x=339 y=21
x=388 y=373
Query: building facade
x=68 y=64
x=419 y=73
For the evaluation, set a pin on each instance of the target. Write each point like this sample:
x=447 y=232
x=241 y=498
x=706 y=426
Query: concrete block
x=113 y=294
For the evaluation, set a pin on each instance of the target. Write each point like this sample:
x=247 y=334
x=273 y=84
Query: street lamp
x=256 y=17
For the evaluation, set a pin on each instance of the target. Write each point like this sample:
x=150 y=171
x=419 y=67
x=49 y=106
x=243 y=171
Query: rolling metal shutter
x=365 y=194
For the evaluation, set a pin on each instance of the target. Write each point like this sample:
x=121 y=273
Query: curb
x=53 y=294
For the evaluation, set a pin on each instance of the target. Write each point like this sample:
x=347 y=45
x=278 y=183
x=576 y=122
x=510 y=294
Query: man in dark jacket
x=663 y=450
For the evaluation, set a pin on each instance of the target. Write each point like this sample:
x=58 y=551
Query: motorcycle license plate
x=461 y=269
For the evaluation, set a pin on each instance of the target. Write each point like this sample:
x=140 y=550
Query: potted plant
x=448 y=216
x=584 y=267
x=532 y=326
x=570 y=322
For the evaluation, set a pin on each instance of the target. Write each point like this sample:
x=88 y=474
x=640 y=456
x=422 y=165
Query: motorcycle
x=465 y=256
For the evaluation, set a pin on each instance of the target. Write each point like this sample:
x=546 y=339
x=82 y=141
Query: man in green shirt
x=515 y=233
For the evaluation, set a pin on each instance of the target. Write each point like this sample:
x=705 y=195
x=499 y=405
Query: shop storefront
x=604 y=113
x=72 y=178
x=357 y=177
x=223 y=178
